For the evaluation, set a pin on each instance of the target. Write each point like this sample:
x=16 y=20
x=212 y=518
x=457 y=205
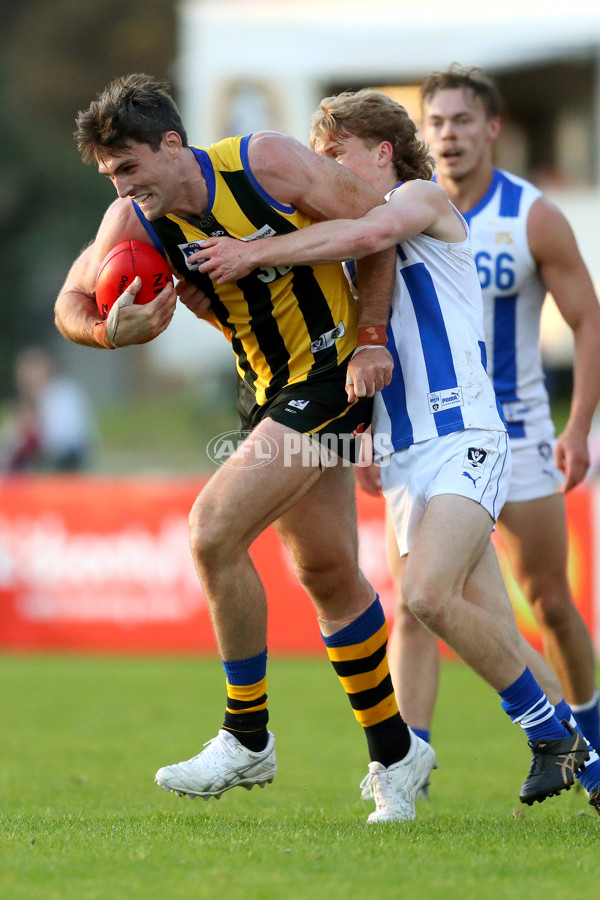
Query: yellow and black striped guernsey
x=287 y=325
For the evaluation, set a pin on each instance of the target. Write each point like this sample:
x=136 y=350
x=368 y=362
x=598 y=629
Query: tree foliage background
x=55 y=56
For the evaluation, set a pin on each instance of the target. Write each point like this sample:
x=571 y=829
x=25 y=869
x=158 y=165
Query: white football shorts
x=472 y=463
x=534 y=474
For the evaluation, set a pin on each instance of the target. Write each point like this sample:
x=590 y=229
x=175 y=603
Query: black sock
x=252 y=734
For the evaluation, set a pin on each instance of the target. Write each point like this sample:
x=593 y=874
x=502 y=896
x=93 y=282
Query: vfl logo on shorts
x=545 y=450
x=298 y=404
x=439 y=400
x=475 y=458
x=328 y=339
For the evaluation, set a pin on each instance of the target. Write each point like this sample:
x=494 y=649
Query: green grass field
x=82 y=819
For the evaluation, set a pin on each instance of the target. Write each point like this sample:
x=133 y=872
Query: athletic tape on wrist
x=371 y=336
x=366 y=347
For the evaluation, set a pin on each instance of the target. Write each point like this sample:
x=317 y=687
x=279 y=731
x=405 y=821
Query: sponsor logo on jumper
x=545 y=450
x=298 y=404
x=187 y=251
x=265 y=231
x=515 y=412
x=358 y=430
x=475 y=458
x=474 y=480
x=447 y=399
x=503 y=237
x=328 y=339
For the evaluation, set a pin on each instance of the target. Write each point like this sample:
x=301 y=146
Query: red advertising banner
x=103 y=565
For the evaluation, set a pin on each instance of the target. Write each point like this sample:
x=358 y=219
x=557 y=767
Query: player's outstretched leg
x=224 y=764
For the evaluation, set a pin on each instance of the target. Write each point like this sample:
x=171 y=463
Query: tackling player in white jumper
x=442 y=444
x=523 y=247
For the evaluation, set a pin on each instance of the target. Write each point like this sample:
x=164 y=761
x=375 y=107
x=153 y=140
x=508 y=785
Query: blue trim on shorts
x=494 y=516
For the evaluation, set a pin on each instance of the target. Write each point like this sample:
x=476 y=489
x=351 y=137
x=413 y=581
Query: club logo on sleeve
x=265 y=231
x=447 y=399
x=328 y=339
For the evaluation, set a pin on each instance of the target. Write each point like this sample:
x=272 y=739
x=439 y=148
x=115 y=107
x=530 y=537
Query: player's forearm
x=586 y=376
x=323 y=242
x=76 y=317
x=376 y=276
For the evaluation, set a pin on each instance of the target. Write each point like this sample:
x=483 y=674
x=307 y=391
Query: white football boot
x=395 y=789
x=222 y=765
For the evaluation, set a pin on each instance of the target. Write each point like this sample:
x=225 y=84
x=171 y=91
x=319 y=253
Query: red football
x=122 y=264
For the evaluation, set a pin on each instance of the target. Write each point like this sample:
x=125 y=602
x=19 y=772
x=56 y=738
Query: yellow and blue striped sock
x=246 y=713
x=358 y=655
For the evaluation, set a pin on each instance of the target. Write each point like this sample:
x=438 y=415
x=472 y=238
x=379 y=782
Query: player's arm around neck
x=75 y=312
x=564 y=273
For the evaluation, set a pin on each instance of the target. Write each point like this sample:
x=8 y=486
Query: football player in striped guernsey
x=293 y=331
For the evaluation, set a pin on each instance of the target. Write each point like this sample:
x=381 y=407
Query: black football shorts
x=318 y=407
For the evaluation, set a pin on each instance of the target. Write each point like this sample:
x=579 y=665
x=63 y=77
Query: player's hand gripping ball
x=120 y=267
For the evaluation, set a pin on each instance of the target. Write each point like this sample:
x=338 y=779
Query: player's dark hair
x=374 y=117
x=466 y=78
x=132 y=108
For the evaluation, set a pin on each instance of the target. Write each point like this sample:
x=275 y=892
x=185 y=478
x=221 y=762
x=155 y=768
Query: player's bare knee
x=317 y=578
x=553 y=610
x=427 y=607
x=209 y=537
x=405 y=619
x=326 y=577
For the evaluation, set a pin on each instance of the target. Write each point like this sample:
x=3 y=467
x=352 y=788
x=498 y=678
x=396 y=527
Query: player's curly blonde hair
x=374 y=117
